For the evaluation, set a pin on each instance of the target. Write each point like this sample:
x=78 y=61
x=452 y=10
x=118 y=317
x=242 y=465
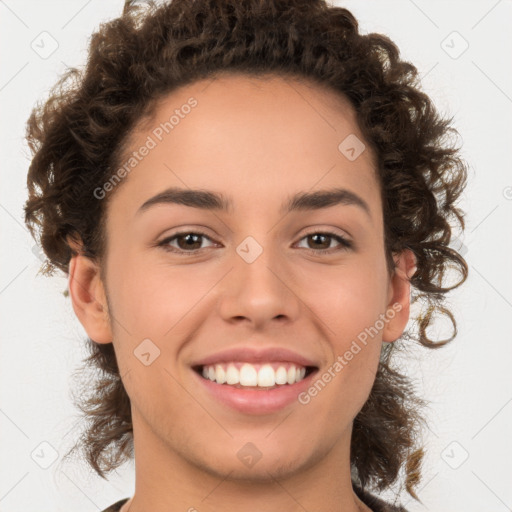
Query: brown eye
x=320 y=242
x=186 y=242
x=189 y=241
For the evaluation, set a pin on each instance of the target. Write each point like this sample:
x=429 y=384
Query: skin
x=258 y=142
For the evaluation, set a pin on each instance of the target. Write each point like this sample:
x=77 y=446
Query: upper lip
x=256 y=355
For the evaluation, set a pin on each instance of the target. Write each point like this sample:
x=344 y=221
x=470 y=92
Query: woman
x=245 y=196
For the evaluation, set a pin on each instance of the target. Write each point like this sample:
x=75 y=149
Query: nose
x=259 y=291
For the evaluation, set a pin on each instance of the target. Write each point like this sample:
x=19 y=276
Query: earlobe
x=88 y=296
x=399 y=299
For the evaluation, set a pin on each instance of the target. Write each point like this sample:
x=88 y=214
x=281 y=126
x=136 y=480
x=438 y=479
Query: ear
x=88 y=295
x=399 y=298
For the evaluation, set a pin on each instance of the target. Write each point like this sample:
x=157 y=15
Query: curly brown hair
x=78 y=135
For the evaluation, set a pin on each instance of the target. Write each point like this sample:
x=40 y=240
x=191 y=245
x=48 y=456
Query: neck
x=166 y=480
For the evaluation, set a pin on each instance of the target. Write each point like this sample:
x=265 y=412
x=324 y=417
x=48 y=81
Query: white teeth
x=248 y=375
x=265 y=375
x=220 y=374
x=232 y=375
x=281 y=375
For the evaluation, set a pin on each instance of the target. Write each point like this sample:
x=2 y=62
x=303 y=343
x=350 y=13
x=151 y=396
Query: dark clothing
x=116 y=506
x=376 y=504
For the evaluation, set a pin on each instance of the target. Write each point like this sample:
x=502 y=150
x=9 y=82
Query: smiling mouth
x=285 y=376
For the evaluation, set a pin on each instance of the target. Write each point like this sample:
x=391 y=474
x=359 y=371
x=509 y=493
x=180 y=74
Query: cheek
x=347 y=299
x=349 y=304
x=159 y=301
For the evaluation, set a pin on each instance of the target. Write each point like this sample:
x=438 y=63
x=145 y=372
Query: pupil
x=315 y=237
x=190 y=238
x=193 y=239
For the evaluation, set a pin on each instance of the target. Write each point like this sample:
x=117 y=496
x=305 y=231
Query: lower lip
x=254 y=401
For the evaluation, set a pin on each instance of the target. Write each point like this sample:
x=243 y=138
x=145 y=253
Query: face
x=184 y=282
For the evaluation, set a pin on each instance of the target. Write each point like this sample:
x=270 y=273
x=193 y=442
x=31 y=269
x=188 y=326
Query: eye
x=322 y=240
x=190 y=242
x=187 y=242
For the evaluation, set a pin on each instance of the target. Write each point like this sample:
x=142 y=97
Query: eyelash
x=345 y=244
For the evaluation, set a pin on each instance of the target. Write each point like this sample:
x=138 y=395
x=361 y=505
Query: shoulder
x=376 y=504
x=116 y=506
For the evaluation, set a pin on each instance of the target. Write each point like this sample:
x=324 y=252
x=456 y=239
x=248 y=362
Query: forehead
x=252 y=136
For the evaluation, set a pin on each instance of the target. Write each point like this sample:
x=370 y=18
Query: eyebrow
x=207 y=200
